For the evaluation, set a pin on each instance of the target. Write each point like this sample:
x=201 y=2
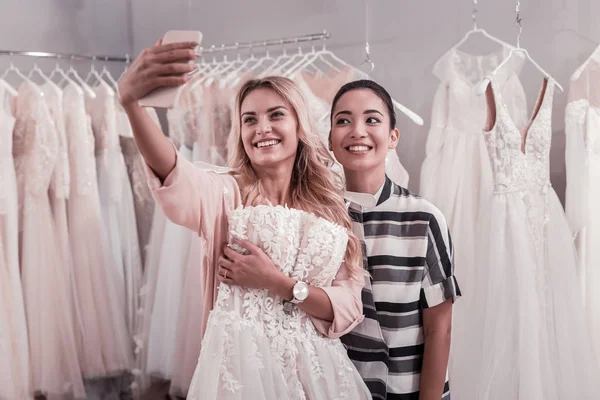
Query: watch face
x=300 y=291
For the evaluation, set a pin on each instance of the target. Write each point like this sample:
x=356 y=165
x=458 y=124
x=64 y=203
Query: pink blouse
x=201 y=200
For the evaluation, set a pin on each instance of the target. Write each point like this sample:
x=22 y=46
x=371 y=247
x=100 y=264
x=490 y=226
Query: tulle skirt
x=14 y=363
x=105 y=348
x=239 y=361
x=528 y=338
x=161 y=342
x=49 y=304
x=118 y=216
x=189 y=324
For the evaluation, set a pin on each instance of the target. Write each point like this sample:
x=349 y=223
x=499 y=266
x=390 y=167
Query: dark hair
x=373 y=86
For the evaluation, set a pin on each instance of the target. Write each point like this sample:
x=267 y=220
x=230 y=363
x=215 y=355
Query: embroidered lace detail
x=513 y=169
x=35 y=147
x=61 y=179
x=78 y=127
x=522 y=164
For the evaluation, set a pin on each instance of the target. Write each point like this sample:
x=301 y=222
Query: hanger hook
x=519 y=22
x=474 y=15
x=367 y=45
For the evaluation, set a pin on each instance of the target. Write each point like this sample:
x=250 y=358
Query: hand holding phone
x=155 y=78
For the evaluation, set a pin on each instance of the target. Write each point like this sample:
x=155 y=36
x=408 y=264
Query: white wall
x=69 y=26
x=406 y=38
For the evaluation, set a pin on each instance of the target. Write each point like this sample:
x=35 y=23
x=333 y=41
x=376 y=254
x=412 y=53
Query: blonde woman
x=272 y=333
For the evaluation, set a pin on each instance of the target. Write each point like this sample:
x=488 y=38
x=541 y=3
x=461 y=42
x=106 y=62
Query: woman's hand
x=157 y=66
x=254 y=270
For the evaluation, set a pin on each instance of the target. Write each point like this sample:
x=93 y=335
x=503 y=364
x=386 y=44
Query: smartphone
x=165 y=97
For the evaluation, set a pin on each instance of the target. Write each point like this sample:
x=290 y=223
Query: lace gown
x=116 y=199
x=255 y=347
x=105 y=345
x=456 y=173
x=14 y=363
x=45 y=275
x=529 y=337
x=190 y=316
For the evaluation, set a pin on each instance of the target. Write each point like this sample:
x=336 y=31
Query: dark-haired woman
x=401 y=348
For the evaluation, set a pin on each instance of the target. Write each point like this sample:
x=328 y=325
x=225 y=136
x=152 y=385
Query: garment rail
x=211 y=49
x=311 y=37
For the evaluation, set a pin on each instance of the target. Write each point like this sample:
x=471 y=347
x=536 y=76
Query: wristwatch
x=300 y=292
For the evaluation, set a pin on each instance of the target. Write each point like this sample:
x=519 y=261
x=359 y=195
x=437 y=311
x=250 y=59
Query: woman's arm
x=439 y=289
x=155 y=67
x=437 y=325
x=335 y=310
x=184 y=193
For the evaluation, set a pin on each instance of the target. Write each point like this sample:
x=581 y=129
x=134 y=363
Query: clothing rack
x=66 y=56
x=311 y=37
x=213 y=48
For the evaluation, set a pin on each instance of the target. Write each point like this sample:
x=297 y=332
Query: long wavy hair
x=315 y=188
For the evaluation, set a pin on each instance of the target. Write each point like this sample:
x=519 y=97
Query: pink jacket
x=201 y=201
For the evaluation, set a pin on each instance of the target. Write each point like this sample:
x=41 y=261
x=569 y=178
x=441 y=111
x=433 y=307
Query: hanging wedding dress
x=456 y=172
x=142 y=197
x=582 y=129
x=14 y=362
x=47 y=283
x=167 y=283
x=206 y=111
x=529 y=338
x=105 y=345
x=116 y=199
x=211 y=132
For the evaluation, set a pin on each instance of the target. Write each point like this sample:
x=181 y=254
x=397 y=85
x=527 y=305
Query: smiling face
x=269 y=129
x=361 y=132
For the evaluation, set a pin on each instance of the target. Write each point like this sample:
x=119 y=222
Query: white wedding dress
x=529 y=338
x=254 y=346
x=582 y=159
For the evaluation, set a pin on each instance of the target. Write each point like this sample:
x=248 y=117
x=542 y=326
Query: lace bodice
x=35 y=147
x=103 y=113
x=303 y=246
x=80 y=139
x=62 y=178
x=521 y=162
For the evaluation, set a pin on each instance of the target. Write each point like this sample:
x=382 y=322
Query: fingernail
x=194 y=44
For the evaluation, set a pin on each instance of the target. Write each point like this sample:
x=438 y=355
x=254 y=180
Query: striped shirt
x=408 y=254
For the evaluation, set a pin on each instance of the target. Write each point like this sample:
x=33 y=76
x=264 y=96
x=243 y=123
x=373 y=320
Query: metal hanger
x=11 y=90
x=71 y=72
x=484 y=84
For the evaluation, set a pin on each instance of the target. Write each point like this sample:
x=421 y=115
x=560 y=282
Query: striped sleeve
x=439 y=283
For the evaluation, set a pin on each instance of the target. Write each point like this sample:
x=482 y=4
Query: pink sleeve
x=345 y=297
x=193 y=197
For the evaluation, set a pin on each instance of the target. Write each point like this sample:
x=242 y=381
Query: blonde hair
x=315 y=188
